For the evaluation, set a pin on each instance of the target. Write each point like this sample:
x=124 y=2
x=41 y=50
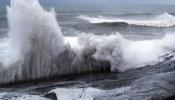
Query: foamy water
x=85 y=93
x=125 y=54
x=20 y=96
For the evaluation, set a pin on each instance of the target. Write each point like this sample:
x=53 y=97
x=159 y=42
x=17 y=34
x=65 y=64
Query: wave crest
x=163 y=20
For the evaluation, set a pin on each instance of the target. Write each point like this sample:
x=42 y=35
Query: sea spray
x=36 y=48
x=35 y=39
x=124 y=54
x=32 y=29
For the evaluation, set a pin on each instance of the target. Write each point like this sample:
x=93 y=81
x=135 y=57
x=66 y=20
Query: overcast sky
x=113 y=1
x=101 y=1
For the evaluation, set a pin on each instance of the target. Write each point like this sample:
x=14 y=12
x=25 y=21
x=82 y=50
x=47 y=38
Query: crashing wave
x=34 y=40
x=124 y=54
x=35 y=47
x=163 y=20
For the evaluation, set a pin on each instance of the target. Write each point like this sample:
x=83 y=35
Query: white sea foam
x=77 y=94
x=163 y=20
x=84 y=93
x=73 y=42
x=30 y=97
x=124 y=54
x=20 y=96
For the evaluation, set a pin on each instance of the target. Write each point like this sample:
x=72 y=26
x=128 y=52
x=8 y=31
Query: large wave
x=163 y=20
x=124 y=54
x=35 y=47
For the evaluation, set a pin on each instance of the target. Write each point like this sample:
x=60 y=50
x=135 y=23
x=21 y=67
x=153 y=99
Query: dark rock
x=51 y=96
x=170 y=98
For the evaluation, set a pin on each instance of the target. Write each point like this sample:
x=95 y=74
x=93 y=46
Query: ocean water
x=71 y=19
x=133 y=44
x=132 y=21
